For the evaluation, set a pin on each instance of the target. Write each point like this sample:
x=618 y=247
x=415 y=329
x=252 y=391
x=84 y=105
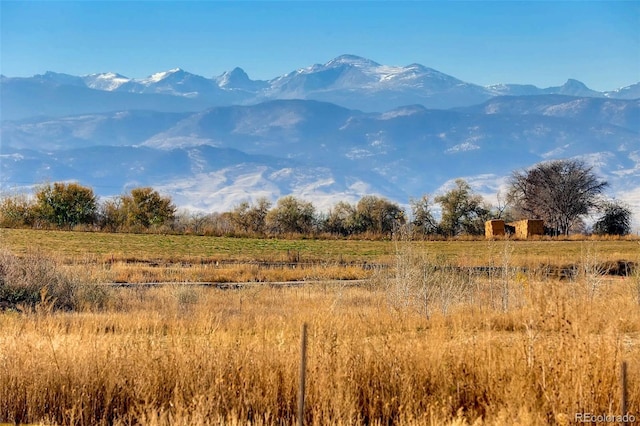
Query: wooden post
x=303 y=373
x=623 y=391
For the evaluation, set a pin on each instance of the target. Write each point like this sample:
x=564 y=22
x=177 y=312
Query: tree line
x=561 y=192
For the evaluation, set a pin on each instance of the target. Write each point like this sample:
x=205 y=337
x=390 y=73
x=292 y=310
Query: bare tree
x=341 y=219
x=251 y=218
x=558 y=192
x=423 y=219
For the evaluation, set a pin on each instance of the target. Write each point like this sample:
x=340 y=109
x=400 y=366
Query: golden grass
x=184 y=355
x=415 y=345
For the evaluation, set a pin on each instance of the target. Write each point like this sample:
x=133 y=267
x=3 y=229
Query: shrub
x=17 y=211
x=37 y=280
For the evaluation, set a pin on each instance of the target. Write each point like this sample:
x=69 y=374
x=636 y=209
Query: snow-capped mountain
x=108 y=81
x=237 y=79
x=628 y=92
x=360 y=83
x=570 y=88
x=348 y=80
x=326 y=132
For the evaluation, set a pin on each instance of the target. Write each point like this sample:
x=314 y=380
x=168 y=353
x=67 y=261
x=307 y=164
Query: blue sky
x=542 y=43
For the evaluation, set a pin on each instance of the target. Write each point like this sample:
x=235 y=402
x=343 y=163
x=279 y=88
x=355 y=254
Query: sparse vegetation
x=438 y=332
x=37 y=280
x=445 y=351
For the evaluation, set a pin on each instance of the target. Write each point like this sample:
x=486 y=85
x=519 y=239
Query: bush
x=17 y=211
x=36 y=280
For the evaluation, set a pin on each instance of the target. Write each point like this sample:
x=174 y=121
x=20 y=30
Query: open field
x=203 y=356
x=108 y=257
x=417 y=343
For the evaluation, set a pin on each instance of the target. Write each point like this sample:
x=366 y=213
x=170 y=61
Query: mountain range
x=326 y=132
x=348 y=80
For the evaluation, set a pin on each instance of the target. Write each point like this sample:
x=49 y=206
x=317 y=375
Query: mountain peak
x=236 y=75
x=159 y=76
x=574 y=87
x=105 y=81
x=60 y=78
x=237 y=78
x=353 y=60
x=573 y=83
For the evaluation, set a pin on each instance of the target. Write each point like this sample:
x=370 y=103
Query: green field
x=143 y=247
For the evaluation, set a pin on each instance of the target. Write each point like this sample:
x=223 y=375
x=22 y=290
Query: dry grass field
x=417 y=344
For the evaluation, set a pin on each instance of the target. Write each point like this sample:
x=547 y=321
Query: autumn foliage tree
x=378 y=215
x=145 y=207
x=291 y=215
x=463 y=211
x=66 y=205
x=341 y=219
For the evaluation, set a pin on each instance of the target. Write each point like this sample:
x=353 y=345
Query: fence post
x=623 y=391
x=303 y=373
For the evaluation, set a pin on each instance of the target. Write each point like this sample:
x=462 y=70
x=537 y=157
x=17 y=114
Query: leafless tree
x=423 y=219
x=558 y=192
x=251 y=218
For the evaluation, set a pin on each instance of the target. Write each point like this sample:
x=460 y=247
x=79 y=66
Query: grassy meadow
x=139 y=258
x=416 y=344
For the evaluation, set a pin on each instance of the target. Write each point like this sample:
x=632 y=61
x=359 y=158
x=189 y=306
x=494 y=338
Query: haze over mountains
x=327 y=132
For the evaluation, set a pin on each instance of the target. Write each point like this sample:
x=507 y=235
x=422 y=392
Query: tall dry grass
x=376 y=355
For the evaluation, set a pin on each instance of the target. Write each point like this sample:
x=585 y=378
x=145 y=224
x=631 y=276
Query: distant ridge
x=348 y=80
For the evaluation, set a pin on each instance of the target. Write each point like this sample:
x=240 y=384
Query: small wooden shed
x=494 y=228
x=528 y=227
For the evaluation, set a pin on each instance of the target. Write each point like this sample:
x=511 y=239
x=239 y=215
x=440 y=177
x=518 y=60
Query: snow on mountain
x=157 y=77
x=25 y=98
x=178 y=82
x=628 y=92
x=237 y=79
x=360 y=83
x=105 y=81
x=348 y=80
x=326 y=132
x=223 y=189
